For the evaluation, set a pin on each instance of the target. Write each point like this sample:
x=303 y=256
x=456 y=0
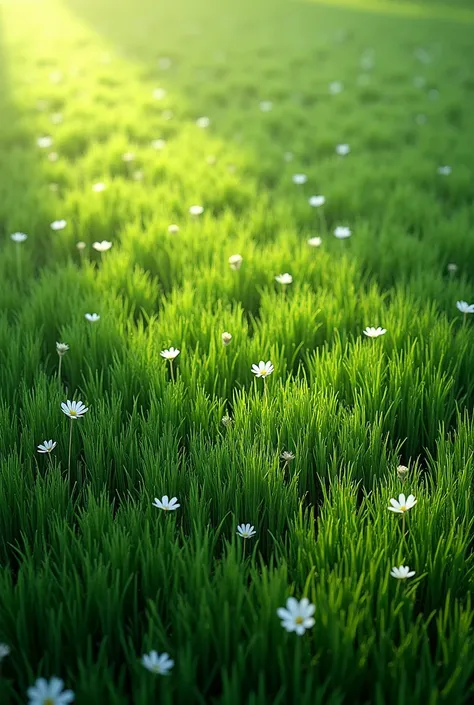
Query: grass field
x=92 y=574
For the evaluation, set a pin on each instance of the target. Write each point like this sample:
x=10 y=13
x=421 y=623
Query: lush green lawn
x=92 y=575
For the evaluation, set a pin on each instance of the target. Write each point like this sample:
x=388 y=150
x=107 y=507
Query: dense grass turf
x=91 y=574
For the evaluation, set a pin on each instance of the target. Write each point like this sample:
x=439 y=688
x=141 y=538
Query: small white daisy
x=58 y=224
x=19 y=237
x=343 y=150
x=263 y=369
x=53 y=157
x=371 y=332
x=226 y=338
x=288 y=156
x=246 y=531
x=444 y=170
x=464 y=307
x=402 y=573
x=284 y=278
x=170 y=354
x=74 y=409
x=102 y=246
x=342 y=232
x=81 y=245
x=203 y=122
x=158 y=144
x=50 y=692
x=297 y=616
x=314 y=241
x=266 y=106
x=164 y=63
x=128 y=156
x=173 y=229
x=62 y=348
x=196 y=210
x=287 y=456
x=168 y=505
x=4 y=651
x=159 y=93
x=99 y=187
x=336 y=87
x=46 y=446
x=161 y=664
x=44 y=142
x=299 y=179
x=235 y=261
x=92 y=317
x=317 y=201
x=403 y=504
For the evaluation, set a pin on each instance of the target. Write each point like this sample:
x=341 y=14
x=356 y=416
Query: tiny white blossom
x=167 y=114
x=58 y=224
x=158 y=144
x=173 y=229
x=226 y=421
x=452 y=268
x=92 y=317
x=343 y=150
x=317 y=201
x=263 y=369
x=19 y=237
x=288 y=156
x=402 y=573
x=138 y=175
x=159 y=93
x=299 y=179
x=287 y=456
x=314 y=241
x=4 y=651
x=74 y=409
x=168 y=505
x=53 y=187
x=102 y=246
x=196 y=210
x=62 y=348
x=342 y=232
x=226 y=338
x=99 y=187
x=56 y=118
x=50 y=692
x=284 y=278
x=56 y=76
x=403 y=504
x=53 y=157
x=164 y=63
x=297 y=616
x=371 y=332
x=444 y=170
x=203 y=122
x=235 y=261
x=336 y=87
x=47 y=446
x=161 y=664
x=128 y=156
x=266 y=106
x=464 y=307
x=246 y=531
x=419 y=81
x=45 y=142
x=170 y=354
x=81 y=245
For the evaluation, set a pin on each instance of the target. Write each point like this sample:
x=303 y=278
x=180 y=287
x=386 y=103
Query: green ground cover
x=92 y=575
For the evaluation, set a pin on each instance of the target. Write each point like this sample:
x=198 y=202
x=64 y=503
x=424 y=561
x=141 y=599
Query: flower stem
x=171 y=370
x=18 y=263
x=69 y=456
x=464 y=320
x=59 y=367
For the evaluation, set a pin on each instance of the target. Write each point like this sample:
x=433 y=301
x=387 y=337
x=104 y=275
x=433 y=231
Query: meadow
x=160 y=165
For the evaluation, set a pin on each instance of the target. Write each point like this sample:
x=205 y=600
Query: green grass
x=91 y=574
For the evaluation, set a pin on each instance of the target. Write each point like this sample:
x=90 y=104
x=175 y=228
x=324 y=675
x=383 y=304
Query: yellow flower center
x=403 y=508
x=48 y=701
x=263 y=373
x=72 y=412
x=299 y=620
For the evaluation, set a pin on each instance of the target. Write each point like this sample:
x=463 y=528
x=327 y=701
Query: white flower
x=263 y=369
x=56 y=118
x=102 y=246
x=226 y=421
x=164 y=63
x=335 y=87
x=452 y=268
x=402 y=505
x=343 y=150
x=44 y=142
x=235 y=261
x=464 y=307
x=159 y=93
x=19 y=237
x=170 y=354
x=99 y=187
x=402 y=472
x=288 y=156
x=74 y=409
x=128 y=156
x=402 y=573
x=317 y=201
x=47 y=446
x=203 y=122
x=56 y=76
x=266 y=106
x=161 y=664
x=342 y=232
x=226 y=338
x=138 y=175
x=287 y=456
x=173 y=229
x=314 y=241
x=371 y=332
x=196 y=210
x=50 y=692
x=299 y=179
x=284 y=278
x=297 y=616
x=158 y=144
x=168 y=505
x=62 y=348
x=53 y=187
x=444 y=170
x=81 y=245
x=53 y=157
x=211 y=160
x=167 y=114
x=246 y=531
x=92 y=317
x=4 y=651
x=58 y=224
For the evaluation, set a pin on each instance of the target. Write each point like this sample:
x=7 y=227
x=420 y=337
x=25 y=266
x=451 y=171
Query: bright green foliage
x=91 y=574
